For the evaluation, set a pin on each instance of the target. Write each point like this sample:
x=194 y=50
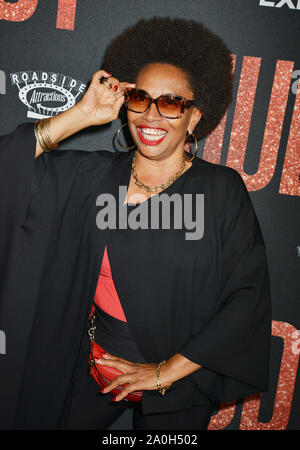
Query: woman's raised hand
x=101 y=104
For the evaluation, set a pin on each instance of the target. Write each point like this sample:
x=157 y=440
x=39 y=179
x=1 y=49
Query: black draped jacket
x=207 y=299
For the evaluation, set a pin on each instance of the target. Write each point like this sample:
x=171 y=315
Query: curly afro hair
x=186 y=44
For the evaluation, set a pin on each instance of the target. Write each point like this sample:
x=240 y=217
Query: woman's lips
x=154 y=139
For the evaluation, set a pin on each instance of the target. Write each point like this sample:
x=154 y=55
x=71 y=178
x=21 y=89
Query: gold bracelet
x=38 y=136
x=45 y=127
x=159 y=388
x=42 y=132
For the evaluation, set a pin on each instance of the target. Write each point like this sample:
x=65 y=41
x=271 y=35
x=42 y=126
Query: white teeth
x=150 y=137
x=152 y=134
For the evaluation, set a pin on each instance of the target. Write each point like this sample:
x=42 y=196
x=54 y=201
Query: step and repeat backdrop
x=50 y=49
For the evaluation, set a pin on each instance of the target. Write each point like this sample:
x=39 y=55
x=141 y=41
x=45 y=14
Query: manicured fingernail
x=102 y=390
x=114 y=399
x=115 y=87
x=108 y=73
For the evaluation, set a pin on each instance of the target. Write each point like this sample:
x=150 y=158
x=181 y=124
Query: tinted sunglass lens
x=137 y=101
x=169 y=107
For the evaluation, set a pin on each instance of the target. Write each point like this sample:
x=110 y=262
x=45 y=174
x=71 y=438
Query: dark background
x=249 y=30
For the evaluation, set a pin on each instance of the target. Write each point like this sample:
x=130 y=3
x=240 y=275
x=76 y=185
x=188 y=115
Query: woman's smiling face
x=157 y=79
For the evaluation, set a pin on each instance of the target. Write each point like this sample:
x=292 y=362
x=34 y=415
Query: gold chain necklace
x=160 y=186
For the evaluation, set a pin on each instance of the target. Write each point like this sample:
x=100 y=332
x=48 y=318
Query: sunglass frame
x=184 y=102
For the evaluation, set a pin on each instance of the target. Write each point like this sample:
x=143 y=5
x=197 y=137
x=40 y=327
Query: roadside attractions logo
x=46 y=94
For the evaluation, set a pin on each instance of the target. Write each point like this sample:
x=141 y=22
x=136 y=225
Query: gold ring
x=103 y=80
x=107 y=84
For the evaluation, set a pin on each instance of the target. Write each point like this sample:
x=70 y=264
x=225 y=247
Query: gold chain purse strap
x=91 y=333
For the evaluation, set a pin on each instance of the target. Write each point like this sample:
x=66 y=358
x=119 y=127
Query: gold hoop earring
x=196 y=145
x=121 y=145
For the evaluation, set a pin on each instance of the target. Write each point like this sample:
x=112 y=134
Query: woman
x=197 y=302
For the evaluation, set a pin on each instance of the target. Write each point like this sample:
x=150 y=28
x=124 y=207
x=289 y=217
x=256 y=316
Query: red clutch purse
x=104 y=375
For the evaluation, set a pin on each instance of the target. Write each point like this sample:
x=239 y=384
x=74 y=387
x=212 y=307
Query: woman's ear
x=197 y=114
x=195 y=118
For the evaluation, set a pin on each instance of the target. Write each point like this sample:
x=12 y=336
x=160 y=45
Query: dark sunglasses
x=168 y=105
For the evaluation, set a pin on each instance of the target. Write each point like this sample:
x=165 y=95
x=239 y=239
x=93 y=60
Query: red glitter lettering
x=290 y=183
x=66 y=14
x=17 y=12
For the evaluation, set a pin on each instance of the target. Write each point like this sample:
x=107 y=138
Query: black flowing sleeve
x=19 y=174
x=44 y=206
x=233 y=347
x=17 y=162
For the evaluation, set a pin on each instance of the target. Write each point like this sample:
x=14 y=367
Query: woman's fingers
x=118 y=381
x=118 y=86
x=103 y=101
x=120 y=365
x=142 y=378
x=124 y=84
x=107 y=356
x=127 y=390
x=112 y=81
x=99 y=74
